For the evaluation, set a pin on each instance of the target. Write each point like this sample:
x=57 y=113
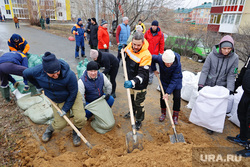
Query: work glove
x=107 y=96
x=231 y=93
x=105 y=46
x=26 y=88
x=128 y=84
x=199 y=88
x=77 y=33
x=61 y=113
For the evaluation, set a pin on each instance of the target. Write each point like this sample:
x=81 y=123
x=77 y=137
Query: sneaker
x=77 y=57
x=150 y=82
x=243 y=153
x=210 y=132
x=237 y=140
x=158 y=88
x=138 y=125
x=113 y=94
x=127 y=116
x=162 y=117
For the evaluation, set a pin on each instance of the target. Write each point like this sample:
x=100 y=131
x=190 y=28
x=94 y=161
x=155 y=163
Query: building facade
x=201 y=13
x=183 y=15
x=26 y=9
x=228 y=16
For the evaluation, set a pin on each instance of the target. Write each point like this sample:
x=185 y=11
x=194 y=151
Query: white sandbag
x=233 y=116
x=210 y=108
x=27 y=101
x=40 y=113
x=187 y=85
x=193 y=98
x=18 y=94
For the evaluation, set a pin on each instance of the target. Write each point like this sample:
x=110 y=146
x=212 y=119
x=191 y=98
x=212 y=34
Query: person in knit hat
x=60 y=85
x=93 y=42
x=103 y=37
x=87 y=29
x=78 y=31
x=92 y=84
x=110 y=63
x=155 y=38
x=138 y=28
x=220 y=67
x=140 y=23
x=18 y=43
x=171 y=79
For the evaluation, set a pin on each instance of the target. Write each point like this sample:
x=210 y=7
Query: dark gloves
x=107 y=97
x=199 y=88
x=231 y=93
x=61 y=113
x=128 y=84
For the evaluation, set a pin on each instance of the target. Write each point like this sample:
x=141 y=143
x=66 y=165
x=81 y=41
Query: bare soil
x=20 y=139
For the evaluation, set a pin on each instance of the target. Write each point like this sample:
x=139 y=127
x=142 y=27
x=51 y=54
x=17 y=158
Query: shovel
x=133 y=138
x=176 y=137
x=72 y=125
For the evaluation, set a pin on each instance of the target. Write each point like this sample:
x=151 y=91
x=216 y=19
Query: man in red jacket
x=155 y=38
x=103 y=37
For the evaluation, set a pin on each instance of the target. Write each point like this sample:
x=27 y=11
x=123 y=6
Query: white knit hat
x=138 y=28
x=168 y=56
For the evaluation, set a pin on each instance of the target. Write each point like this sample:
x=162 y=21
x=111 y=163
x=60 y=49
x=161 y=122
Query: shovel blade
x=134 y=141
x=180 y=138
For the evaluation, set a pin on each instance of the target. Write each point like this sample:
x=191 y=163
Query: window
x=8 y=12
x=6 y=1
x=242 y=2
x=191 y=43
x=59 y=4
x=237 y=21
x=60 y=13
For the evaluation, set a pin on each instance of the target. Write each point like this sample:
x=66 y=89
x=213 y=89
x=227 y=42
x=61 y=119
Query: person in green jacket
x=42 y=22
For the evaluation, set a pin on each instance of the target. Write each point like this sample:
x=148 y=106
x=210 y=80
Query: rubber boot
x=175 y=117
x=6 y=93
x=48 y=133
x=163 y=114
x=76 y=139
x=33 y=90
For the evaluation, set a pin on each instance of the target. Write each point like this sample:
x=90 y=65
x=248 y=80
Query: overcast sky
x=193 y=3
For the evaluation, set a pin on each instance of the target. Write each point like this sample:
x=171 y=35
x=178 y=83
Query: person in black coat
x=243 y=111
x=93 y=42
x=111 y=64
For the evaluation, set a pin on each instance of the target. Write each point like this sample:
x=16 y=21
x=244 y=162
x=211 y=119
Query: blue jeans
x=110 y=102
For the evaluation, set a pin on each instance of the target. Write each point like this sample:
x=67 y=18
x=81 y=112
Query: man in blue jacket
x=78 y=31
x=60 y=85
x=11 y=63
x=171 y=79
x=18 y=43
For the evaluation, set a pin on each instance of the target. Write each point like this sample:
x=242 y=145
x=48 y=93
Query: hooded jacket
x=78 y=28
x=171 y=77
x=93 y=35
x=138 y=65
x=22 y=44
x=103 y=37
x=219 y=69
x=63 y=89
x=156 y=41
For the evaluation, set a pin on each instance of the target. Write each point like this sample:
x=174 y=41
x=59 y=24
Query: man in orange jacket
x=18 y=43
x=103 y=37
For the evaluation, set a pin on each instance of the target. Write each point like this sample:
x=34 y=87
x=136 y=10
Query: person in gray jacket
x=220 y=67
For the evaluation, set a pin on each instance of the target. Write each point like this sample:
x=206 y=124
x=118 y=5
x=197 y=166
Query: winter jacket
x=16 y=20
x=47 y=20
x=219 y=69
x=171 y=77
x=243 y=77
x=93 y=35
x=63 y=89
x=107 y=60
x=122 y=33
x=92 y=89
x=78 y=28
x=156 y=41
x=143 y=28
x=14 y=57
x=88 y=27
x=103 y=37
x=22 y=45
x=138 y=65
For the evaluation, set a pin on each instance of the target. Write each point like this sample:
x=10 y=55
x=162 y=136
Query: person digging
x=59 y=83
x=171 y=79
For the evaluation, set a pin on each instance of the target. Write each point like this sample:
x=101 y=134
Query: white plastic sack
x=18 y=94
x=27 y=101
x=187 y=85
x=193 y=98
x=233 y=116
x=230 y=103
x=210 y=108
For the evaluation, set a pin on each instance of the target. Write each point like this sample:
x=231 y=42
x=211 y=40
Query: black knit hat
x=104 y=22
x=51 y=64
x=92 y=65
x=155 y=23
x=93 y=19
